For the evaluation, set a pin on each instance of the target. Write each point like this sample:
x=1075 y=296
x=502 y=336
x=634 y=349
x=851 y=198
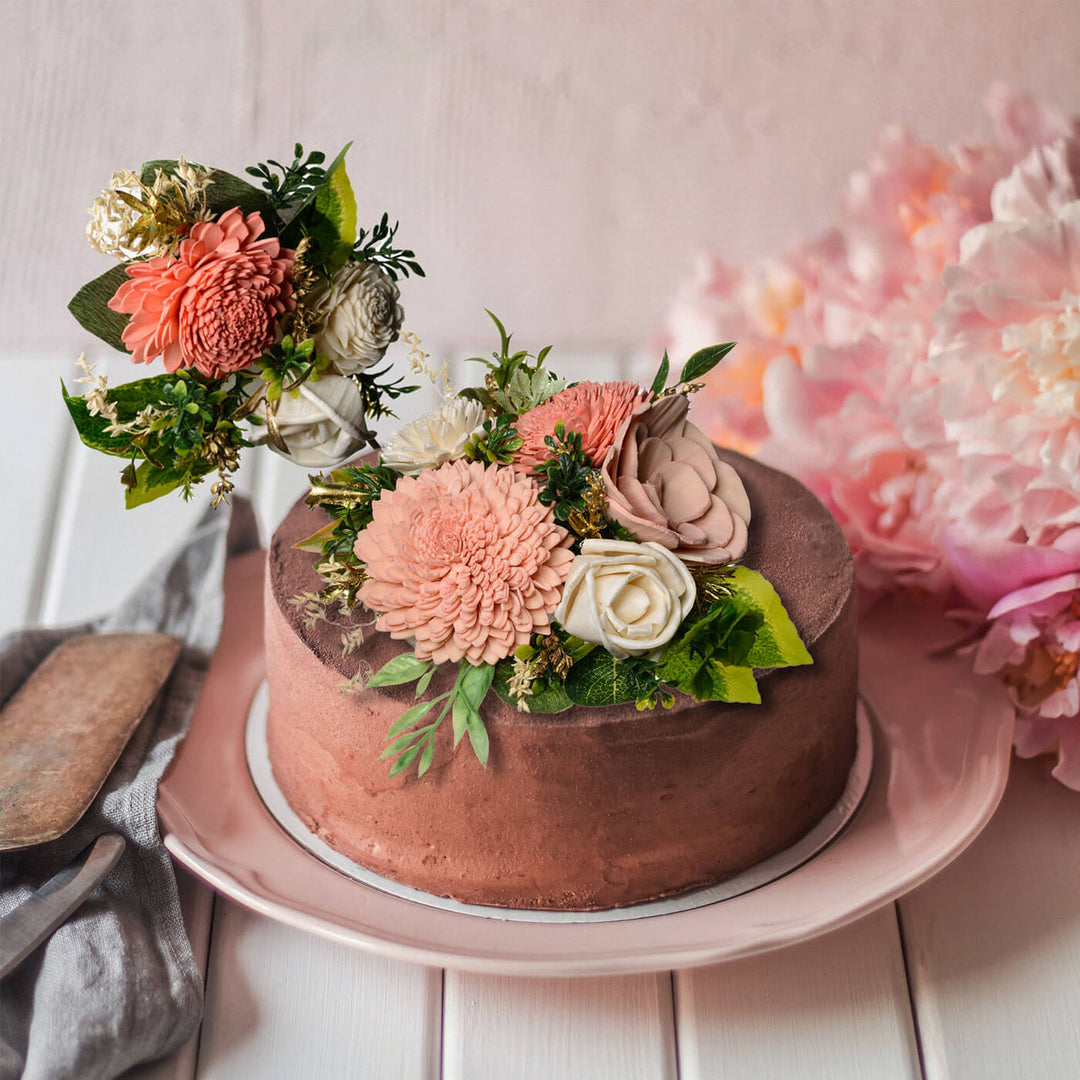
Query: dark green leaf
x=660 y=381
x=90 y=307
x=704 y=361
x=599 y=679
x=548 y=698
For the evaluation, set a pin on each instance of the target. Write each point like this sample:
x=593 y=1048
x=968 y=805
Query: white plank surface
x=993 y=943
x=835 y=1008
x=283 y=1004
x=573 y=1029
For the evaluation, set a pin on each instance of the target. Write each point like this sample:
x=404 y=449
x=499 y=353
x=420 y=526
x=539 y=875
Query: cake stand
x=942 y=739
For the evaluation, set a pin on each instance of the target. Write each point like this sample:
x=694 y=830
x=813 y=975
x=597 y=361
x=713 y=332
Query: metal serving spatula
x=66 y=726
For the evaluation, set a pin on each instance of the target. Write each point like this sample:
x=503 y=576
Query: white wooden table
x=975 y=975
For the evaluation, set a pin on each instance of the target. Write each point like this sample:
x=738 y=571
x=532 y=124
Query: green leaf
x=402 y=669
x=331 y=221
x=478 y=737
x=460 y=717
x=90 y=307
x=777 y=642
x=504 y=337
x=91 y=429
x=704 y=361
x=474 y=682
x=405 y=760
x=660 y=381
x=599 y=679
x=225 y=191
x=736 y=685
x=425 y=681
x=291 y=234
x=552 y=698
x=409 y=717
x=401 y=741
x=427 y=756
x=151 y=482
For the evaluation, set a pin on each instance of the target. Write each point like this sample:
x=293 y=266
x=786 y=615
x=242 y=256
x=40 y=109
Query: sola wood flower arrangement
x=265 y=306
x=918 y=366
x=559 y=545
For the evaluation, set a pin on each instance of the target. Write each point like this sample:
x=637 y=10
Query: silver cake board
x=818 y=838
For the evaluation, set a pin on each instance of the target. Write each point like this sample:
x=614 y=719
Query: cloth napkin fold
x=117 y=984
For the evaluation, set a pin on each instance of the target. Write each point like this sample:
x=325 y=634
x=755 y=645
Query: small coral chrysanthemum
x=596 y=410
x=466 y=560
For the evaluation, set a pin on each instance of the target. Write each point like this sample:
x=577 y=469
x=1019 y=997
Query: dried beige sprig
x=418 y=365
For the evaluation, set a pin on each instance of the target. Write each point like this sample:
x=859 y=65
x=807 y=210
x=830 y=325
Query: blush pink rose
x=214 y=305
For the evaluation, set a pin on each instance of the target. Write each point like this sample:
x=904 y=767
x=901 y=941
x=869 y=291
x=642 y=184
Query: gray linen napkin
x=117 y=984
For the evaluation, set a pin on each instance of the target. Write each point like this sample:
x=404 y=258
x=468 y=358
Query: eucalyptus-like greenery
x=409 y=742
x=375 y=387
x=286 y=365
x=566 y=474
x=377 y=246
x=496 y=442
x=699 y=365
x=297 y=181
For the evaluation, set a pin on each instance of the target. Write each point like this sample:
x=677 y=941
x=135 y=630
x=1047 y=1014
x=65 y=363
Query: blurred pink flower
x=215 y=305
x=595 y=410
x=466 y=560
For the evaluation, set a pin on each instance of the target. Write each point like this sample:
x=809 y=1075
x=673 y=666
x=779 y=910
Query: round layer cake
x=588 y=808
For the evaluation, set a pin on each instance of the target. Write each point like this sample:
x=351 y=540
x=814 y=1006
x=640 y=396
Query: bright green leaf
x=734 y=684
x=402 y=669
x=151 y=482
x=777 y=643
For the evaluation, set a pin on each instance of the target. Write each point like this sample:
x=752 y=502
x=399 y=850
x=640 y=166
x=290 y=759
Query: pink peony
x=215 y=305
x=596 y=410
x=466 y=560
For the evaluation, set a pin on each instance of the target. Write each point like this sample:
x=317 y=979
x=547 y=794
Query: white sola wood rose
x=434 y=438
x=361 y=317
x=323 y=424
x=628 y=597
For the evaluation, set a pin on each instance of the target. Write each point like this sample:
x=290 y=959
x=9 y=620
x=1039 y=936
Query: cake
x=588 y=808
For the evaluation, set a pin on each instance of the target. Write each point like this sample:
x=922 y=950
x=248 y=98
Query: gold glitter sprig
x=591 y=523
x=710 y=580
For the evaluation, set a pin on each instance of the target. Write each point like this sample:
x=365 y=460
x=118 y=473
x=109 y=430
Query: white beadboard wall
x=556 y=161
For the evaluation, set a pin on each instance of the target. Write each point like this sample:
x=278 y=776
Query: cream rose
x=628 y=597
x=323 y=425
x=361 y=316
x=434 y=438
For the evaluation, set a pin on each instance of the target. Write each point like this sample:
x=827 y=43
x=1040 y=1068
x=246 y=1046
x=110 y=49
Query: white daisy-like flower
x=434 y=438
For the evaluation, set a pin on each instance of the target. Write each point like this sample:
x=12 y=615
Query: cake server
x=23 y=929
x=65 y=727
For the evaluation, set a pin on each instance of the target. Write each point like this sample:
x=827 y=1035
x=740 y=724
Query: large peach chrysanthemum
x=213 y=306
x=466 y=560
x=596 y=410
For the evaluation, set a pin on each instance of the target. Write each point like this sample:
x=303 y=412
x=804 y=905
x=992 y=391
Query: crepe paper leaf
x=478 y=737
x=151 y=482
x=292 y=233
x=777 y=642
x=425 y=681
x=704 y=361
x=733 y=684
x=600 y=679
x=90 y=307
x=402 y=669
x=225 y=191
x=427 y=756
x=331 y=220
x=405 y=760
x=660 y=381
x=551 y=698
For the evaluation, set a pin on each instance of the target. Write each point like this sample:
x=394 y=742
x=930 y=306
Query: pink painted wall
x=558 y=162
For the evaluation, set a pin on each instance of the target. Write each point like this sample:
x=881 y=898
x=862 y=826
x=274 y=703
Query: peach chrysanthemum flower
x=596 y=410
x=215 y=305
x=466 y=560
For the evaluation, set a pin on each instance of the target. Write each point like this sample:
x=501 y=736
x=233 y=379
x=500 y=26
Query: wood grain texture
x=835 y=1008
x=573 y=1029
x=993 y=942
x=282 y=1003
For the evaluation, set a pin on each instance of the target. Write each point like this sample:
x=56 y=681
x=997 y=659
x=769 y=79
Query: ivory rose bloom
x=665 y=483
x=466 y=560
x=215 y=306
x=361 y=318
x=434 y=438
x=323 y=425
x=630 y=598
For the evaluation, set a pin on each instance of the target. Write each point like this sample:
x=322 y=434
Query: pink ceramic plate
x=942 y=746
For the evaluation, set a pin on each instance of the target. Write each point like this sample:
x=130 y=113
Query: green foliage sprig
x=373 y=390
x=496 y=442
x=286 y=365
x=377 y=246
x=297 y=181
x=516 y=381
x=699 y=365
x=461 y=702
x=567 y=473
